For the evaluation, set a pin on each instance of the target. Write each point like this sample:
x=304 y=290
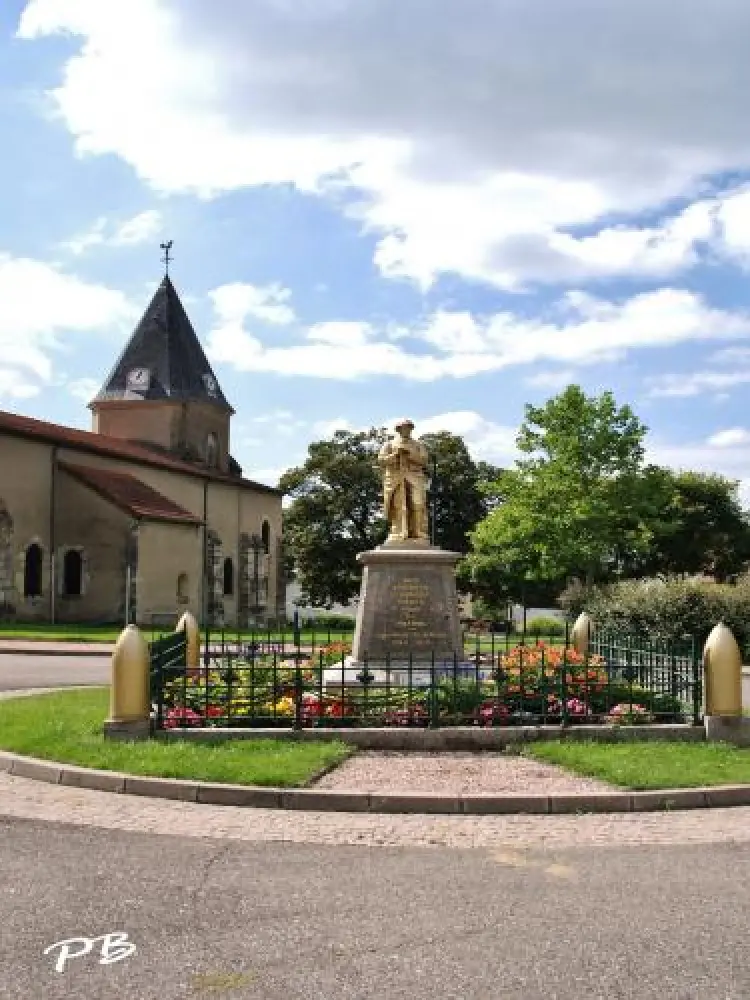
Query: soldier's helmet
x=403 y=423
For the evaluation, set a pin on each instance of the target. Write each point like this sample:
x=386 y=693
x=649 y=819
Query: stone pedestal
x=408 y=607
x=733 y=729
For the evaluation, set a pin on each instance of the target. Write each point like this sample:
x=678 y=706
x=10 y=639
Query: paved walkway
x=21 y=797
x=46 y=647
x=32 y=671
x=456 y=774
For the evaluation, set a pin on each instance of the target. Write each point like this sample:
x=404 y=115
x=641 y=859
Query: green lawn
x=110 y=633
x=649 y=764
x=308 y=637
x=61 y=633
x=67 y=726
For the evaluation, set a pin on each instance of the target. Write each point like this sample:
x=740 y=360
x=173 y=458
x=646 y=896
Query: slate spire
x=164 y=360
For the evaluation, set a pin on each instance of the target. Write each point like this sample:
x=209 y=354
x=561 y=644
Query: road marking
x=115 y=947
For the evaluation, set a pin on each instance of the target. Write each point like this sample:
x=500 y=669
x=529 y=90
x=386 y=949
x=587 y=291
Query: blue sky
x=439 y=209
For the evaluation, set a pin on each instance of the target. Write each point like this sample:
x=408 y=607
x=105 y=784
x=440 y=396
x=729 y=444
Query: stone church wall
x=151 y=423
x=25 y=497
x=86 y=523
x=100 y=531
x=170 y=566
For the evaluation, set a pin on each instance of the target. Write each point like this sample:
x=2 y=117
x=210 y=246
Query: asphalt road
x=29 y=671
x=283 y=921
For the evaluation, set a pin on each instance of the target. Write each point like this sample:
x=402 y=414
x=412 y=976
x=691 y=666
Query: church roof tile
x=115 y=448
x=130 y=494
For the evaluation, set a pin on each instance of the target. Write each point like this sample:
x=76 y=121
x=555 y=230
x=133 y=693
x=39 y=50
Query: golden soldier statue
x=404 y=464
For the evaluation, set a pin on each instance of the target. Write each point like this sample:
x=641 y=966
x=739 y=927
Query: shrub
x=546 y=626
x=667 y=610
x=337 y=623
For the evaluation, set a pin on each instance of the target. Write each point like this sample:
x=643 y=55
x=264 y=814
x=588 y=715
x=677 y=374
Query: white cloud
x=139 y=229
x=697 y=383
x=94 y=236
x=39 y=304
x=105 y=232
x=269 y=476
x=14 y=385
x=337 y=334
x=731 y=356
x=731 y=460
x=552 y=379
x=484 y=438
x=84 y=389
x=323 y=429
x=268 y=303
x=473 y=140
x=729 y=438
x=459 y=345
x=273 y=417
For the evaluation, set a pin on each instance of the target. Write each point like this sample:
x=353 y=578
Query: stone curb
x=323 y=800
x=105 y=653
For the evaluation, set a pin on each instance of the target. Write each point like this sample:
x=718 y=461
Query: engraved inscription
x=413 y=619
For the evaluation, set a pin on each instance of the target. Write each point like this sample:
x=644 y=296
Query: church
x=147 y=515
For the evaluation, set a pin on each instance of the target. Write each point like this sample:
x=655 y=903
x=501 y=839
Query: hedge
x=666 y=609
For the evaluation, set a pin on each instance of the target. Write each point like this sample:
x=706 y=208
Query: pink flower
x=405 y=716
x=492 y=711
x=182 y=716
x=576 y=707
x=628 y=710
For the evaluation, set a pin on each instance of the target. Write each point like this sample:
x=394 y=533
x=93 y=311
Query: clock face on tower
x=138 y=378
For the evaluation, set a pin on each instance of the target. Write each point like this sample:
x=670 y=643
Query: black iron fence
x=167 y=662
x=500 y=680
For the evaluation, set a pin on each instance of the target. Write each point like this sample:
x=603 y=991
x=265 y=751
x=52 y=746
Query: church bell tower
x=162 y=392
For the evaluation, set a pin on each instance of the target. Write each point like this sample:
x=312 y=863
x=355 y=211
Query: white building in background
x=350 y=609
x=293 y=594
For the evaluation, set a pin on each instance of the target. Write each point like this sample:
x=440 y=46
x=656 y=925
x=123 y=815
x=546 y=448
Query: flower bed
x=527 y=685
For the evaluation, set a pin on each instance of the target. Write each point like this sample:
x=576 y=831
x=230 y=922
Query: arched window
x=182 y=588
x=265 y=537
x=32 y=571
x=212 y=450
x=73 y=573
x=228 y=577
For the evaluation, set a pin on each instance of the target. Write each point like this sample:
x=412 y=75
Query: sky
x=441 y=209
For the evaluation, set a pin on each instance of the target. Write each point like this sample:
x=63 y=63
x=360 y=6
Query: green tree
x=574 y=504
x=336 y=508
x=335 y=513
x=457 y=489
x=699 y=526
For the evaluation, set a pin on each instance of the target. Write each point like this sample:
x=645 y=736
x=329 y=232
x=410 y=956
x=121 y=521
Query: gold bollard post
x=722 y=662
x=722 y=665
x=129 y=696
x=581 y=633
x=189 y=625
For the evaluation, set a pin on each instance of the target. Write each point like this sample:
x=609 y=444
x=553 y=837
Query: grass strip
x=67 y=726
x=649 y=764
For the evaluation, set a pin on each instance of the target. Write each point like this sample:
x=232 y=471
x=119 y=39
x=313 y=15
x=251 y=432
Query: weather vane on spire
x=166 y=247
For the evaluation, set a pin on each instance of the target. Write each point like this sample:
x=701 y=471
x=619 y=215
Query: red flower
x=492 y=711
x=182 y=716
x=405 y=716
